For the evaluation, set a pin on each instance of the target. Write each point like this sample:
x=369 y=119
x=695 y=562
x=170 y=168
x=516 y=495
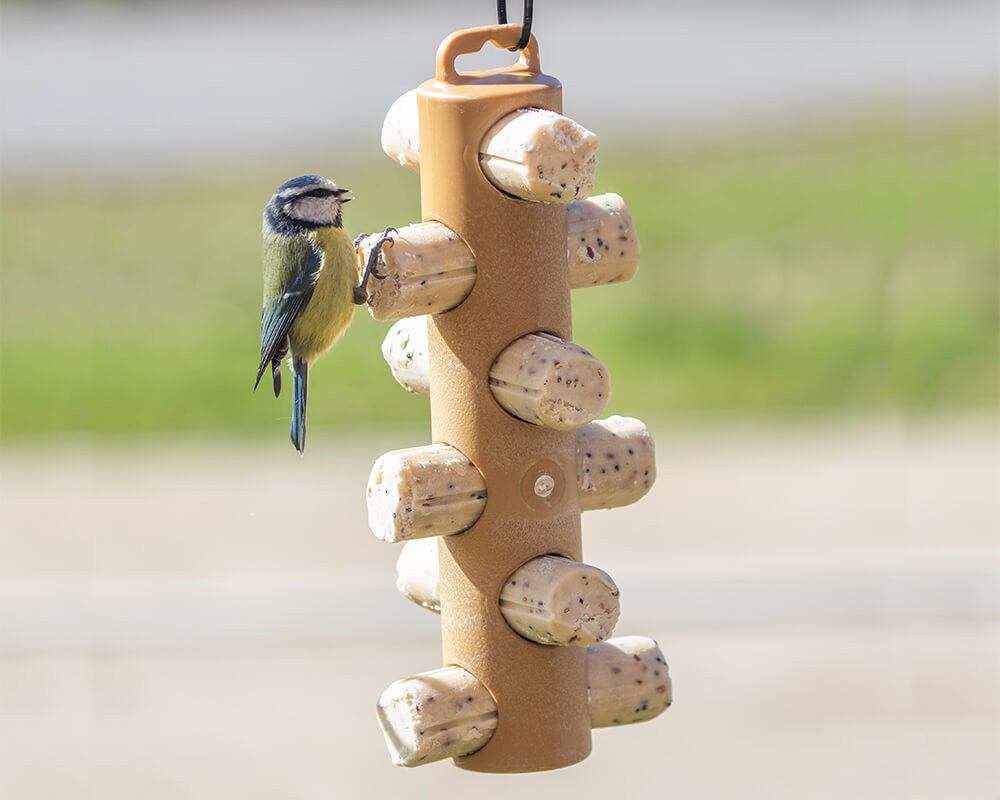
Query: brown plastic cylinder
x=522 y=286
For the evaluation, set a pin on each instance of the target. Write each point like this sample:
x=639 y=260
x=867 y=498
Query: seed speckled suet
x=310 y=283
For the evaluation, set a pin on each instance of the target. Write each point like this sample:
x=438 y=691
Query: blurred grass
x=853 y=270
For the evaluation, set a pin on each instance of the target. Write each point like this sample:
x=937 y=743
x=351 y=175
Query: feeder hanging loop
x=525 y=25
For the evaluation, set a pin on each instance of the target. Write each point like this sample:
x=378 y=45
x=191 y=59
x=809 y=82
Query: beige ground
x=887 y=701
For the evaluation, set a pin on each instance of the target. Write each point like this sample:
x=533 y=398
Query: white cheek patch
x=312 y=209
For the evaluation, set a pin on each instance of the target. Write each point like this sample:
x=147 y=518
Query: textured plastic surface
x=522 y=286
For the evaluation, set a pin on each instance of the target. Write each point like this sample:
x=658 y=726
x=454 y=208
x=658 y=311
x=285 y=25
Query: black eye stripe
x=319 y=193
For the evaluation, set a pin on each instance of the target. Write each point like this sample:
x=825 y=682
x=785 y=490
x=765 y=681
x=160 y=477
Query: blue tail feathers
x=300 y=385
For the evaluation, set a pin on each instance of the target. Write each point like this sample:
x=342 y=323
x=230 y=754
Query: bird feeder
x=490 y=511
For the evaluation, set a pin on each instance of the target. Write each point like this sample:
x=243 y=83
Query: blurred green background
x=823 y=263
x=849 y=270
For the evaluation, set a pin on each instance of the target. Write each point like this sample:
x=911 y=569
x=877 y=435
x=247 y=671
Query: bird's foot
x=371 y=267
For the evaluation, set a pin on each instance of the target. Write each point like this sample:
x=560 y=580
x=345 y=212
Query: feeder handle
x=472 y=40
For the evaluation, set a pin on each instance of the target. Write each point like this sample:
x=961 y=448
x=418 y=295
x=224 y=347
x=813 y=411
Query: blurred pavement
x=184 y=621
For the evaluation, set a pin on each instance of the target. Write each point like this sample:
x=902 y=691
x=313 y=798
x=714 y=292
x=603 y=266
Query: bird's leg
x=361 y=291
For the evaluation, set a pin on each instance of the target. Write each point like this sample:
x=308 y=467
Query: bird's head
x=310 y=201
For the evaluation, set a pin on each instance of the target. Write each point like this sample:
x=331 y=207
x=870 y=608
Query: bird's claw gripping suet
x=371 y=271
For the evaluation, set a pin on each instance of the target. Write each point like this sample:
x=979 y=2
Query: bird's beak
x=340 y=195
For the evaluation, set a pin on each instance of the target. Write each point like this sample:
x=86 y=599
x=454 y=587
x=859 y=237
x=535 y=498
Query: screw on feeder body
x=544 y=484
x=434 y=490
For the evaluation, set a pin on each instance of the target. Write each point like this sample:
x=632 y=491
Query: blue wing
x=279 y=314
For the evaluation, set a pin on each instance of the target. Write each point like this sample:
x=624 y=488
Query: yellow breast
x=331 y=307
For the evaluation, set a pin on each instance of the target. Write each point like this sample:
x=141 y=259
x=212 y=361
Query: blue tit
x=310 y=283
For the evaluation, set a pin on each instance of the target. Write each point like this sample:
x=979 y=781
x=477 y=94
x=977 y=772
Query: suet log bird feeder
x=481 y=289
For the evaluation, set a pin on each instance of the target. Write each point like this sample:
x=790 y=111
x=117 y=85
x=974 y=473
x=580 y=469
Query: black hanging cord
x=525 y=26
